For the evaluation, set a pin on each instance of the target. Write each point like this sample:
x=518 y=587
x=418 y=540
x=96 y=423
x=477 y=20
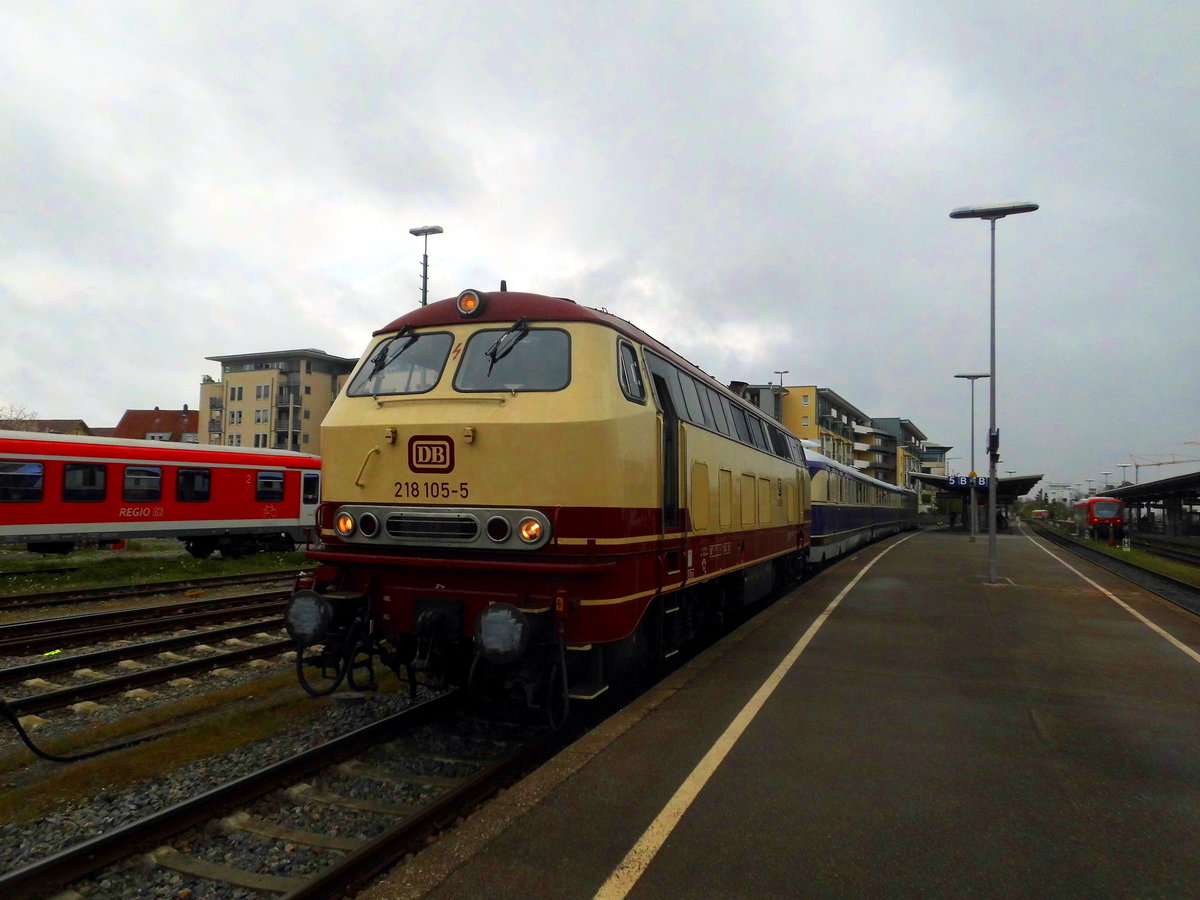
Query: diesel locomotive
x=533 y=497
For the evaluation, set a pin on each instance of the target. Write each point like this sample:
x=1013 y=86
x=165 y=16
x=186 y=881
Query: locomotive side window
x=630 y=373
x=740 y=425
x=691 y=398
x=142 y=484
x=84 y=482
x=515 y=359
x=21 y=482
x=779 y=442
x=268 y=487
x=403 y=364
x=718 y=405
x=193 y=485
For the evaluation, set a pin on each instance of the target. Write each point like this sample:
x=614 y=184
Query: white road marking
x=1117 y=600
x=638 y=859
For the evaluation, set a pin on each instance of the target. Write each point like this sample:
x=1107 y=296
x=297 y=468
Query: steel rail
x=44 y=876
x=376 y=856
x=56 y=699
x=59 y=664
x=91 y=595
x=30 y=640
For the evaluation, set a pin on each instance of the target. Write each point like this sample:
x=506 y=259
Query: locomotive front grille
x=437 y=527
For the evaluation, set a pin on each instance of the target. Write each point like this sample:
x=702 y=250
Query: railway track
x=96 y=595
x=63 y=632
x=378 y=791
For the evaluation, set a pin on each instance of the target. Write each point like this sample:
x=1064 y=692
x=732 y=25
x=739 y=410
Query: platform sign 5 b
x=967 y=481
x=431 y=453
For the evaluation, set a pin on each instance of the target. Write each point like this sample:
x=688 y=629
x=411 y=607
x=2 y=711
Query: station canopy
x=1008 y=489
x=1181 y=487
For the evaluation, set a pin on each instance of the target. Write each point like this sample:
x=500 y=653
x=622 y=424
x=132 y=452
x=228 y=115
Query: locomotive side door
x=665 y=380
x=670 y=454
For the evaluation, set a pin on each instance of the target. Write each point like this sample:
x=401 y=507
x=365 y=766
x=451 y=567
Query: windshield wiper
x=381 y=358
x=500 y=349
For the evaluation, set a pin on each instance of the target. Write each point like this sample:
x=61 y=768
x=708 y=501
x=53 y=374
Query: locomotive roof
x=505 y=307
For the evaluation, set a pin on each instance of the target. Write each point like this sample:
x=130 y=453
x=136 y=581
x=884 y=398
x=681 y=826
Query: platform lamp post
x=1123 y=467
x=974 y=508
x=1089 y=484
x=425 y=231
x=992 y=213
x=1107 y=480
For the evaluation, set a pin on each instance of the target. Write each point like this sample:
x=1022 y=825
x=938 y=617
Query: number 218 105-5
x=431 y=490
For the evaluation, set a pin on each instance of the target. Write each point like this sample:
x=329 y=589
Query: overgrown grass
x=1181 y=571
x=141 y=562
x=212 y=724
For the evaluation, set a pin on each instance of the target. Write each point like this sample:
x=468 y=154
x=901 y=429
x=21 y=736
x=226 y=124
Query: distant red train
x=1100 y=518
x=57 y=491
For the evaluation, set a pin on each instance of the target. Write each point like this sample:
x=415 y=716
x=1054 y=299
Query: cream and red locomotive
x=534 y=497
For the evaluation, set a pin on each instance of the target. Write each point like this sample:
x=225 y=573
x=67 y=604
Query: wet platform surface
x=897 y=726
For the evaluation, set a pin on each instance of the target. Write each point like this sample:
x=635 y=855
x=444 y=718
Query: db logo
x=430 y=453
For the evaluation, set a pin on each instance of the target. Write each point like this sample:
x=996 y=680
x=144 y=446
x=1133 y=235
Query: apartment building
x=890 y=449
x=275 y=399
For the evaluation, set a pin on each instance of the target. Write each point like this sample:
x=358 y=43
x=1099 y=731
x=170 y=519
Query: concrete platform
x=933 y=735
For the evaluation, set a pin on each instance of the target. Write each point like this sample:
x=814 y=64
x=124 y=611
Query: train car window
x=193 y=485
x=740 y=424
x=84 y=482
x=311 y=488
x=143 y=484
x=268 y=487
x=21 y=482
x=403 y=364
x=718 y=404
x=519 y=358
x=630 y=373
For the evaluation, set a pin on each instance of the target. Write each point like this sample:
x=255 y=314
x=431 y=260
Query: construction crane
x=1143 y=461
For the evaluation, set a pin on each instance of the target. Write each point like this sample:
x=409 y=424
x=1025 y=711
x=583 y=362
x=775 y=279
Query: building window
x=308 y=389
x=235 y=393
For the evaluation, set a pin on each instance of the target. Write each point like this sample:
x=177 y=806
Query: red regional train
x=1100 y=518
x=60 y=490
x=534 y=498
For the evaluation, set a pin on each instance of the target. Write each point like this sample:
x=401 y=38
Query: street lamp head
x=994 y=211
x=426 y=230
x=975 y=375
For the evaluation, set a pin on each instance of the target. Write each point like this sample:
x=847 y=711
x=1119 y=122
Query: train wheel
x=201 y=548
x=360 y=661
x=321 y=668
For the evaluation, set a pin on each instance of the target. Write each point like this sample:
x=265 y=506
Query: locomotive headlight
x=501 y=633
x=344 y=524
x=530 y=530
x=470 y=303
x=307 y=617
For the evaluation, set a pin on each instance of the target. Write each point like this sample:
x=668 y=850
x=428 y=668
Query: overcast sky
x=760 y=185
